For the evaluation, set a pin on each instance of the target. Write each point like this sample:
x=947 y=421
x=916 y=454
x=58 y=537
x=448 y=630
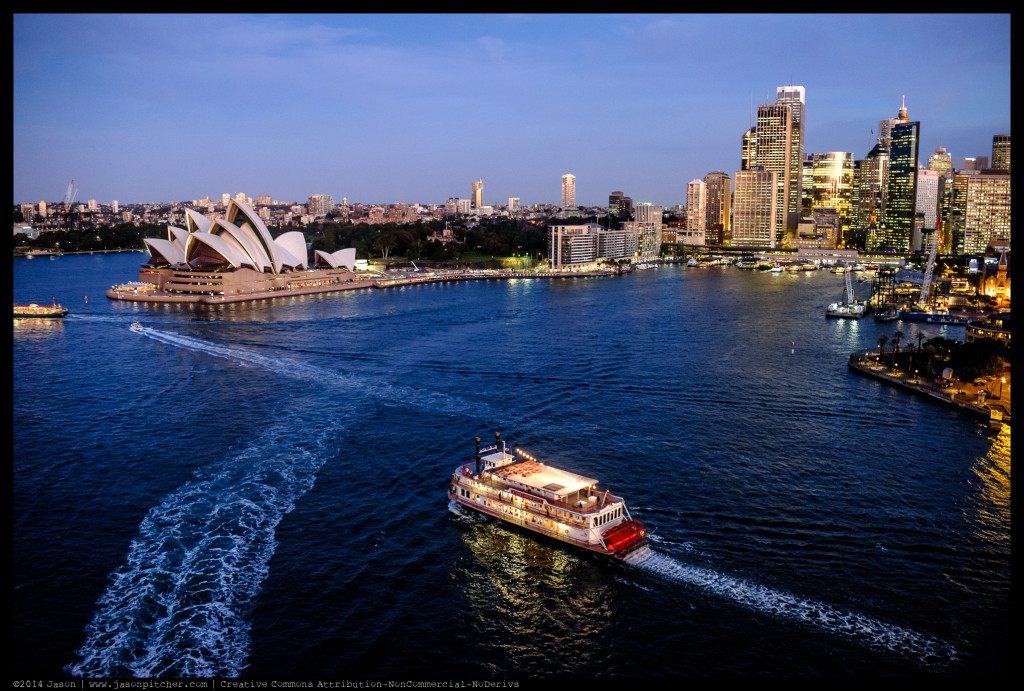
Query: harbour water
x=259 y=490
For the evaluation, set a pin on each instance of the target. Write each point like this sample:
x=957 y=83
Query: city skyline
x=413 y=108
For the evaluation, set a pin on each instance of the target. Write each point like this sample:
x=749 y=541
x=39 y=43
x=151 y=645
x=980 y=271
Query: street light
x=1002 y=380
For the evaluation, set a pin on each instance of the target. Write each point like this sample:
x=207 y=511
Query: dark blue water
x=260 y=490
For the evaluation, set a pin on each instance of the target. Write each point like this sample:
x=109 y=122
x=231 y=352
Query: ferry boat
x=34 y=311
x=520 y=490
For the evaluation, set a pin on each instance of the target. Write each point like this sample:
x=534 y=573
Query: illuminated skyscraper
x=901 y=190
x=832 y=187
x=987 y=211
x=754 y=208
x=869 y=179
x=568 y=191
x=1001 y=152
x=793 y=96
x=476 y=193
x=770 y=148
x=927 y=205
x=941 y=162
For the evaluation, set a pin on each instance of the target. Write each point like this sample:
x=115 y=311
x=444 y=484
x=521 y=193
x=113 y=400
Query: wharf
x=961 y=395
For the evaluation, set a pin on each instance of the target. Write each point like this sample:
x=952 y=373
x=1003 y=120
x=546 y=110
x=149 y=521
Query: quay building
x=231 y=259
x=585 y=246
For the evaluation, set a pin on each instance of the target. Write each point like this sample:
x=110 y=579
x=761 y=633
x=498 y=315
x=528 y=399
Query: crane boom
x=927 y=282
x=70 y=195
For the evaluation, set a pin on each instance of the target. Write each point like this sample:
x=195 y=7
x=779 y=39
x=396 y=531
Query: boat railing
x=591 y=507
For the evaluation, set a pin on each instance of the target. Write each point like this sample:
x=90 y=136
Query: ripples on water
x=804 y=520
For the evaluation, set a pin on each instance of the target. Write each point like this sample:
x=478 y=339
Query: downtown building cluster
x=784 y=198
x=781 y=197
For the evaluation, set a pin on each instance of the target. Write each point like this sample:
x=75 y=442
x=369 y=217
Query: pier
x=968 y=397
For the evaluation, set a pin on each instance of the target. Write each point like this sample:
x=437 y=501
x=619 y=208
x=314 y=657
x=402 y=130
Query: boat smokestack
x=478 y=455
x=497 y=441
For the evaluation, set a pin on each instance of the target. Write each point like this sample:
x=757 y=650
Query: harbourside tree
x=882 y=340
x=896 y=337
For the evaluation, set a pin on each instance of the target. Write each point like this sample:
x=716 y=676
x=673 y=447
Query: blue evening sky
x=413 y=108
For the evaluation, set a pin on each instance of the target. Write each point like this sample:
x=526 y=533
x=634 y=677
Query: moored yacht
x=518 y=489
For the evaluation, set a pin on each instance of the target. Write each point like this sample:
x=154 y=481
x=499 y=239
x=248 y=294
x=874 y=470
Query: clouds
x=382 y=108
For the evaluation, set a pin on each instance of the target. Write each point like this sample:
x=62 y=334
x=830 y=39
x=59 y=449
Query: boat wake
x=351 y=383
x=179 y=605
x=864 y=630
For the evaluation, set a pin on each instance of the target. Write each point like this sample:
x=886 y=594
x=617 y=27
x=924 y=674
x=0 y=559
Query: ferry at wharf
x=522 y=491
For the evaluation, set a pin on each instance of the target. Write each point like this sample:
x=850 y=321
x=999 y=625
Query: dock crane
x=927 y=282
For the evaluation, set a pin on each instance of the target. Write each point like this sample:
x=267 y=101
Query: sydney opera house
x=234 y=258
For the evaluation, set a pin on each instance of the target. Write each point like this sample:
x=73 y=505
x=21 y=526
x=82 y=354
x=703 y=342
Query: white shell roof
x=236 y=208
x=196 y=222
x=293 y=244
x=164 y=249
x=217 y=244
x=246 y=240
x=345 y=257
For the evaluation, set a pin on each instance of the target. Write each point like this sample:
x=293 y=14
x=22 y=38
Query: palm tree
x=920 y=338
x=896 y=340
x=882 y=340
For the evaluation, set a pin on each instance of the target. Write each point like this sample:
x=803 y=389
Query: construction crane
x=927 y=282
x=69 y=196
x=69 y=199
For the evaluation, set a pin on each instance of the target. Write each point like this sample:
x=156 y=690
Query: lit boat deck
x=560 y=488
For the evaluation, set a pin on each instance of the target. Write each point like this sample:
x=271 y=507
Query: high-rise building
x=620 y=205
x=987 y=211
x=718 y=215
x=113 y=206
x=319 y=204
x=832 y=187
x=696 y=202
x=42 y=209
x=649 y=213
x=1001 y=152
x=941 y=162
x=771 y=149
x=476 y=193
x=927 y=205
x=513 y=204
x=807 y=185
x=568 y=191
x=901 y=190
x=748 y=147
x=794 y=97
x=754 y=208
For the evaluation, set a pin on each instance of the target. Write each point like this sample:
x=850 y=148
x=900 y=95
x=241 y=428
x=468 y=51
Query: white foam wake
x=179 y=604
x=375 y=388
x=858 y=627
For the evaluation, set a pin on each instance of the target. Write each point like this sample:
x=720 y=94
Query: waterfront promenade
x=969 y=397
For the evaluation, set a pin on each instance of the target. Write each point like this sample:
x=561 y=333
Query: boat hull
x=631 y=545
x=909 y=315
x=56 y=313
